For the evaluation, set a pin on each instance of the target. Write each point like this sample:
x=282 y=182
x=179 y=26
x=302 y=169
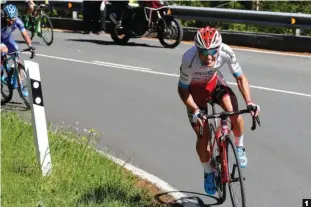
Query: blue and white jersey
x=6 y=30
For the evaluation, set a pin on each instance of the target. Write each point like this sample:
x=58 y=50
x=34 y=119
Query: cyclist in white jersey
x=201 y=80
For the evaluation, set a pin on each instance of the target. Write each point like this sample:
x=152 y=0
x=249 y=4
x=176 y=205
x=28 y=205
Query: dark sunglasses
x=206 y=52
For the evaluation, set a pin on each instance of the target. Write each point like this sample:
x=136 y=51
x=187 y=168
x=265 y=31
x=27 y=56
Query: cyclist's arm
x=26 y=37
x=21 y=28
x=238 y=74
x=183 y=88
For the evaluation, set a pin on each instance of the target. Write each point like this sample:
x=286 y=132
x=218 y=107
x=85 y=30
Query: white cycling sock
x=206 y=166
x=239 y=141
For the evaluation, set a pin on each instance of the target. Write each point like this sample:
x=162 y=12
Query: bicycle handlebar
x=24 y=50
x=224 y=115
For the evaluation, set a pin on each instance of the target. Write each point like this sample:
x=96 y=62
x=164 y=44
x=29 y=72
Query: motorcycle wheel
x=115 y=32
x=162 y=33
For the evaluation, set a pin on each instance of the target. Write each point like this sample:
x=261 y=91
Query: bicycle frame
x=15 y=57
x=219 y=138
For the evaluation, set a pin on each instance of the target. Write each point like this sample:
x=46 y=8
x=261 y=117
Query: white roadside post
x=38 y=117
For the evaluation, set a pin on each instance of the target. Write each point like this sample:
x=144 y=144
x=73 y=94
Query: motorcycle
x=145 y=22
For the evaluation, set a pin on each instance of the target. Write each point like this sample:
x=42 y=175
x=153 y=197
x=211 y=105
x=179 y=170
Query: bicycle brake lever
x=258 y=120
x=254 y=123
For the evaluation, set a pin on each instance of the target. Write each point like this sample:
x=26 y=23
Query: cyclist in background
x=30 y=6
x=200 y=80
x=9 y=23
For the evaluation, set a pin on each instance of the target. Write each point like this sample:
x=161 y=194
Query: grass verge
x=80 y=175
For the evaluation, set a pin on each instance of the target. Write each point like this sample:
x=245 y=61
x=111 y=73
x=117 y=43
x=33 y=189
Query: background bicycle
x=14 y=76
x=224 y=158
x=39 y=24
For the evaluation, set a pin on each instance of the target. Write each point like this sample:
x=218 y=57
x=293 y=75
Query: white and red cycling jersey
x=202 y=80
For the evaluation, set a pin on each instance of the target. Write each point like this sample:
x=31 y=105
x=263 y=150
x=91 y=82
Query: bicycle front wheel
x=23 y=85
x=46 y=24
x=6 y=86
x=237 y=193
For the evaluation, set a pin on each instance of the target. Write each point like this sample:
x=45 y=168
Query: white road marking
x=146 y=70
x=120 y=66
x=271 y=52
x=276 y=90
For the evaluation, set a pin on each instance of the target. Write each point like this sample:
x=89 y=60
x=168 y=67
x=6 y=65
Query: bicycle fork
x=225 y=176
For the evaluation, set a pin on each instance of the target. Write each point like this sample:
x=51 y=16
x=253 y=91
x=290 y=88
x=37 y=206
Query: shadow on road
x=189 y=201
x=14 y=106
x=23 y=42
x=103 y=42
x=110 y=192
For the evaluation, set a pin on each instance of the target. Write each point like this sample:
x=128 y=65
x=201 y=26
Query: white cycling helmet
x=207 y=38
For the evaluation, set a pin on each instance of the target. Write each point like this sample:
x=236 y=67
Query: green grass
x=80 y=175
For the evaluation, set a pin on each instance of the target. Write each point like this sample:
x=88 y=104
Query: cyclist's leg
x=227 y=99
x=202 y=142
x=203 y=151
x=12 y=46
x=4 y=50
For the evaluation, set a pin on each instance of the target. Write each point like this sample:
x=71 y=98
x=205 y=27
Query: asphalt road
x=144 y=121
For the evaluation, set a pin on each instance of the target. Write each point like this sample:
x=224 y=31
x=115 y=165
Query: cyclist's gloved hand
x=197 y=117
x=255 y=109
x=32 y=50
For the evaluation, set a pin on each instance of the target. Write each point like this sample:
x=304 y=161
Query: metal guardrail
x=264 y=18
x=279 y=19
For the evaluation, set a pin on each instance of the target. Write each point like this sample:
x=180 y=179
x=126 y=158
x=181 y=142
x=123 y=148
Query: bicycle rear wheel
x=46 y=23
x=22 y=80
x=216 y=164
x=235 y=175
x=6 y=86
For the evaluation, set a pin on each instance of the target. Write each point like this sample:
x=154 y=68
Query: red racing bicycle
x=223 y=149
